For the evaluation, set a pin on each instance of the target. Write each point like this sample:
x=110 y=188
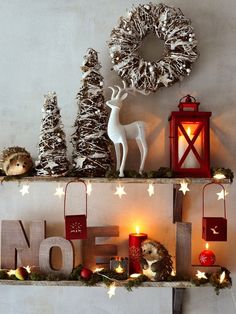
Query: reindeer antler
x=113 y=92
x=132 y=89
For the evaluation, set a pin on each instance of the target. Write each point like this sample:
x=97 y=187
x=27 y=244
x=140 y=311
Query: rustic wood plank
x=162 y=284
x=114 y=180
x=183 y=249
x=90 y=250
x=177 y=203
x=178 y=294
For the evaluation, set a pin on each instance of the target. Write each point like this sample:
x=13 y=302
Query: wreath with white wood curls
x=168 y=24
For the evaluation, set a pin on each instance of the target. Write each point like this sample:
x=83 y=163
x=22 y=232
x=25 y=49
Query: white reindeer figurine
x=119 y=133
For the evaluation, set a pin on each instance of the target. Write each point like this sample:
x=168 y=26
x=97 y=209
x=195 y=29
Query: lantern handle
x=189 y=102
x=203 y=191
x=86 y=196
x=188 y=98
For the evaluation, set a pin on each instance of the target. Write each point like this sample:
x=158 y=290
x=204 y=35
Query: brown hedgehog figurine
x=16 y=161
x=156 y=261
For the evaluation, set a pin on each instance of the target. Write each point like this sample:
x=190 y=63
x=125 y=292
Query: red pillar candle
x=207 y=257
x=135 y=240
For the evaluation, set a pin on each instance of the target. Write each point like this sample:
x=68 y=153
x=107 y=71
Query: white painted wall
x=42 y=46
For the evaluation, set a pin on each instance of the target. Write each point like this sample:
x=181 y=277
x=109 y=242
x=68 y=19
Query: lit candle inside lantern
x=207 y=257
x=191 y=160
x=119 y=265
x=119 y=269
x=135 y=240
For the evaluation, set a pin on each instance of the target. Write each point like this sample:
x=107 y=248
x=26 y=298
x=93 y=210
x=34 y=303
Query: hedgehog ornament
x=16 y=161
x=155 y=260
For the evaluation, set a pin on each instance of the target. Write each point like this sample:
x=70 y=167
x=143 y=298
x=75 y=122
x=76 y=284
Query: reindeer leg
x=142 y=145
x=124 y=155
x=117 y=150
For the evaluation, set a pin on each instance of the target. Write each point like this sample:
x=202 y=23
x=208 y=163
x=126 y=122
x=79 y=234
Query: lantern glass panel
x=190 y=148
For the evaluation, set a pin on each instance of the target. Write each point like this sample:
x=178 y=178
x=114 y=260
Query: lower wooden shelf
x=163 y=284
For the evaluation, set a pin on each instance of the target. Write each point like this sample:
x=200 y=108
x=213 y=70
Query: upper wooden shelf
x=115 y=180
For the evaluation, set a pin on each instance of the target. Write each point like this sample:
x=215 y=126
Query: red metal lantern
x=76 y=225
x=214 y=228
x=190 y=140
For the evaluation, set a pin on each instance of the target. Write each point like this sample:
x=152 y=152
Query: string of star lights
x=59 y=191
x=150 y=189
x=120 y=191
x=25 y=189
x=201 y=275
x=111 y=291
x=184 y=187
x=222 y=194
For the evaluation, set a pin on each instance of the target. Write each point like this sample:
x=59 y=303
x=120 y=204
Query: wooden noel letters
x=18 y=250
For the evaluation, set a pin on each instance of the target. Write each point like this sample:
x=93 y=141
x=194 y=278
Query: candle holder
x=190 y=140
x=119 y=265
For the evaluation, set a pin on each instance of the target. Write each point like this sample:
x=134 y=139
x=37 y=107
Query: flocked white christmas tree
x=91 y=156
x=52 y=159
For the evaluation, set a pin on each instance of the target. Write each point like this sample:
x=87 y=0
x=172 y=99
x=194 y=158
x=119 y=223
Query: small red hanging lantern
x=214 y=228
x=190 y=140
x=76 y=225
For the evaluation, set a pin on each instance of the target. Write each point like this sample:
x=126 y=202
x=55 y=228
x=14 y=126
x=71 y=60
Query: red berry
x=86 y=273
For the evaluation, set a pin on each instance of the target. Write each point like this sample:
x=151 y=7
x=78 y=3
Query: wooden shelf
x=114 y=180
x=68 y=283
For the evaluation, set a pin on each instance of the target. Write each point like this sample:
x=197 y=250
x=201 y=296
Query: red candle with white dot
x=207 y=257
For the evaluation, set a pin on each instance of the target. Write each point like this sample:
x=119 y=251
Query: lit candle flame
x=222 y=277
x=137 y=229
x=119 y=269
x=189 y=131
x=207 y=246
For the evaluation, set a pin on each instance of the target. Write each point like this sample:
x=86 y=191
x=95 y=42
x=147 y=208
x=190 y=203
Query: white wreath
x=180 y=47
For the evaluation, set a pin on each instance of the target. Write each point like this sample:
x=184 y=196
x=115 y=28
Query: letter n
x=16 y=249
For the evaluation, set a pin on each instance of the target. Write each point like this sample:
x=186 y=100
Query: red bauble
x=207 y=258
x=86 y=273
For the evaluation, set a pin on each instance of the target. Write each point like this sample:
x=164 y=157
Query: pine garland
x=108 y=277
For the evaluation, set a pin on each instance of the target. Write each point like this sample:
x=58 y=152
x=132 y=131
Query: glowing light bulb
x=222 y=277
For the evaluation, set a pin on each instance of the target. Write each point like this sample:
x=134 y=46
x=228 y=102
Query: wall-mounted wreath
x=180 y=46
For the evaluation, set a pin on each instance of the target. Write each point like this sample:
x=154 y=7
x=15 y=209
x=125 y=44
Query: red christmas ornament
x=135 y=240
x=190 y=140
x=86 y=273
x=207 y=257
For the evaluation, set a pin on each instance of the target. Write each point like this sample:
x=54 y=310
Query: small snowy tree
x=52 y=159
x=91 y=156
